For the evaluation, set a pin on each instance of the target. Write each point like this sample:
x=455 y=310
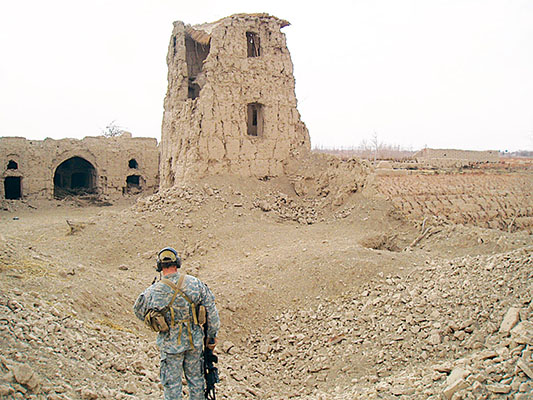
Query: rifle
x=210 y=371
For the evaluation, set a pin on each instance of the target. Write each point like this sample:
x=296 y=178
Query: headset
x=167 y=257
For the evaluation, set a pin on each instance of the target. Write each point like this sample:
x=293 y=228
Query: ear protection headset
x=167 y=257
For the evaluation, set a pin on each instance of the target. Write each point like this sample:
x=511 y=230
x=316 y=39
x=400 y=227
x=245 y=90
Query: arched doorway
x=74 y=176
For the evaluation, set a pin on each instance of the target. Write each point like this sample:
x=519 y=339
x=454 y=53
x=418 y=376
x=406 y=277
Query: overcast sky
x=435 y=73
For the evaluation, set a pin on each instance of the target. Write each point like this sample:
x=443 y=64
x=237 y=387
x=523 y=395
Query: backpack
x=155 y=319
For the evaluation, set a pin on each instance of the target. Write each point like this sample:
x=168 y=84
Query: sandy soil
x=258 y=263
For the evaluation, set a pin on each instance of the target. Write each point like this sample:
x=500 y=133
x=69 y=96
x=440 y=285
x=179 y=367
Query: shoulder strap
x=177 y=289
x=172 y=285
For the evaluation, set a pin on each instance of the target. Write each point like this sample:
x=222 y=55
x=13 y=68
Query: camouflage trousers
x=172 y=368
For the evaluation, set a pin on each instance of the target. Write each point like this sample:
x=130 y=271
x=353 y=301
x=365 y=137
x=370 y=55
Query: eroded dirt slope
x=310 y=294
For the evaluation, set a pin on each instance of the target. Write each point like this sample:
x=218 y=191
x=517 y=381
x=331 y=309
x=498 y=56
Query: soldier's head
x=167 y=258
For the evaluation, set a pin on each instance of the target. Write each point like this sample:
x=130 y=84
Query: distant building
x=56 y=168
x=230 y=105
x=463 y=155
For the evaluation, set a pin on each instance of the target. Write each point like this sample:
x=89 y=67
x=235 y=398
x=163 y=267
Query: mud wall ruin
x=454 y=154
x=230 y=106
x=99 y=165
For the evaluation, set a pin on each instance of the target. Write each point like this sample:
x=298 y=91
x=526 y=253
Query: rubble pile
x=47 y=352
x=458 y=328
x=187 y=198
x=331 y=179
x=363 y=343
x=177 y=198
x=289 y=209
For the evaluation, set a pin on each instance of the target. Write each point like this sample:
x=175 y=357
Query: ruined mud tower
x=230 y=105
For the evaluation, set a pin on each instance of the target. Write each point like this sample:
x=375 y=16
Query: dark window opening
x=133 y=184
x=12 y=165
x=133 y=181
x=13 y=187
x=253 y=45
x=75 y=176
x=194 y=90
x=195 y=55
x=255 y=119
x=171 y=178
x=133 y=163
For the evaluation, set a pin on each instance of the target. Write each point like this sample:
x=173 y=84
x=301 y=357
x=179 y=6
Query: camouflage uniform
x=178 y=354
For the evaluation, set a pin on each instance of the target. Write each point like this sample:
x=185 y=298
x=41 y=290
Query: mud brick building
x=454 y=154
x=99 y=165
x=230 y=106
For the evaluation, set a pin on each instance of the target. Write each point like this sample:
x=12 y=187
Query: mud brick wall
x=499 y=201
x=454 y=154
x=230 y=105
x=108 y=162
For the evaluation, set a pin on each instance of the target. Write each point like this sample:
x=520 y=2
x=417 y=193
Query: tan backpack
x=155 y=319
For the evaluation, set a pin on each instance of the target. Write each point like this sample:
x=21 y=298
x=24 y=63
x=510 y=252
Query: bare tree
x=112 y=130
x=375 y=144
x=370 y=149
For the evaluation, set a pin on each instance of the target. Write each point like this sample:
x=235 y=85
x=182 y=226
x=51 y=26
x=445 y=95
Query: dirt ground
x=247 y=239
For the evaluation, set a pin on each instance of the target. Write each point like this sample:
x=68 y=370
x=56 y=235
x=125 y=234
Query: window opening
x=133 y=184
x=75 y=176
x=133 y=163
x=253 y=45
x=171 y=178
x=255 y=119
x=193 y=89
x=195 y=55
x=12 y=165
x=133 y=181
x=13 y=187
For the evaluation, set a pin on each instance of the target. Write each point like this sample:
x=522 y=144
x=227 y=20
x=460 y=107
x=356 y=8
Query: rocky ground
x=318 y=300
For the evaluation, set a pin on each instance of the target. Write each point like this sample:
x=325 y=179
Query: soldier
x=176 y=300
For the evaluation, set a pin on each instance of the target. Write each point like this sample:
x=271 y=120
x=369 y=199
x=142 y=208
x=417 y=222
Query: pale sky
x=435 y=73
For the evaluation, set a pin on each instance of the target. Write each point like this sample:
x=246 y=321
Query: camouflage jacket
x=178 y=338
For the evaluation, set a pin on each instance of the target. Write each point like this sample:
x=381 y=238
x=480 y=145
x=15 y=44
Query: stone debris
x=510 y=319
x=383 y=340
x=47 y=351
x=286 y=208
x=523 y=333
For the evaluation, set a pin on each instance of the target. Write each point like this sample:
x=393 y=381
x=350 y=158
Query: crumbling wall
x=109 y=163
x=235 y=112
x=454 y=154
x=329 y=177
